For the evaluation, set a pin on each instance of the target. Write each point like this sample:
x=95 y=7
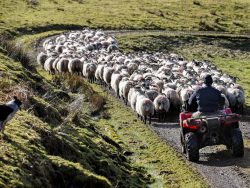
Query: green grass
x=22 y=16
x=49 y=144
x=149 y=151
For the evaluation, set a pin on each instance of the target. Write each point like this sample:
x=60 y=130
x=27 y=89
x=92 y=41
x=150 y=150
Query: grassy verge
x=52 y=142
x=147 y=150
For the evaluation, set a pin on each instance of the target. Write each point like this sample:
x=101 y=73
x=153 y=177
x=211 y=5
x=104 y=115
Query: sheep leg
x=145 y=119
x=159 y=117
x=150 y=118
x=165 y=114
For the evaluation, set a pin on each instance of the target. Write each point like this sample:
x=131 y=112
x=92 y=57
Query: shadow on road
x=224 y=158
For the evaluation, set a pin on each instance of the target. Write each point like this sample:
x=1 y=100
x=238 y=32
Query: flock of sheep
x=151 y=83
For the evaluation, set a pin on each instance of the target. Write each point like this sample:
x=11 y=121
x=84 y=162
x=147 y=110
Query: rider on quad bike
x=207 y=98
x=210 y=125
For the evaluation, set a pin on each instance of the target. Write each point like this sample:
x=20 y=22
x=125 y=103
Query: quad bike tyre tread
x=192 y=148
x=183 y=148
x=237 y=143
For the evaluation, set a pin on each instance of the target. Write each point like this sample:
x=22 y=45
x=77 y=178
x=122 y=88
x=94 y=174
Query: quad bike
x=197 y=133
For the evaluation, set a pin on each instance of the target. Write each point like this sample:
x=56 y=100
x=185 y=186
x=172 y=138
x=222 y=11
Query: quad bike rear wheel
x=192 y=147
x=237 y=143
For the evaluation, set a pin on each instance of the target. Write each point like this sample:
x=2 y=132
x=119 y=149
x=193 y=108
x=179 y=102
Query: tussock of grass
x=16 y=52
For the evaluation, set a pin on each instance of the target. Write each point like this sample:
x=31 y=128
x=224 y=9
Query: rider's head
x=208 y=80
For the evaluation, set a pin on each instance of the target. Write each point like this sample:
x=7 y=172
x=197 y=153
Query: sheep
x=107 y=73
x=75 y=66
x=48 y=65
x=236 y=99
x=185 y=94
x=41 y=58
x=151 y=94
x=62 y=65
x=173 y=97
x=124 y=87
x=59 y=49
x=144 y=108
x=54 y=65
x=161 y=106
x=132 y=96
x=112 y=47
x=226 y=102
x=99 y=73
x=115 y=80
x=155 y=74
x=89 y=71
x=132 y=67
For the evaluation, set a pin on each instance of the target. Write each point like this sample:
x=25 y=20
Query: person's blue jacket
x=208 y=99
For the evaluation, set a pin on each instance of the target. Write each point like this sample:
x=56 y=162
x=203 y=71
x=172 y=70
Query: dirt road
x=216 y=163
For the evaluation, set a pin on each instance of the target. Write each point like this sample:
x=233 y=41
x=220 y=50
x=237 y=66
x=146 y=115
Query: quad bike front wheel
x=192 y=147
x=237 y=143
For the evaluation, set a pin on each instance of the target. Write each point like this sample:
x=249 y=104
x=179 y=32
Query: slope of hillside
x=52 y=142
x=210 y=15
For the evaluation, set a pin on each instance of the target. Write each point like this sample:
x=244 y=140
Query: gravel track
x=216 y=164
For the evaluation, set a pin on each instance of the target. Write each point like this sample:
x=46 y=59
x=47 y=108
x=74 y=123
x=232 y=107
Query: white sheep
x=99 y=73
x=236 y=99
x=115 y=80
x=107 y=73
x=48 y=65
x=89 y=71
x=144 y=108
x=173 y=97
x=62 y=65
x=41 y=58
x=161 y=106
x=75 y=66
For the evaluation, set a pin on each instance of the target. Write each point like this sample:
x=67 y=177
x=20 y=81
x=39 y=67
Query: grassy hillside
x=69 y=132
x=208 y=15
x=51 y=144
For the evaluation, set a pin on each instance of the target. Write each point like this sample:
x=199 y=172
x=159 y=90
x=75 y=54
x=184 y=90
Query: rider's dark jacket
x=208 y=99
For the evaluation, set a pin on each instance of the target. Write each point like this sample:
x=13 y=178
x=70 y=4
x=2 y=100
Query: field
x=49 y=142
x=209 y=15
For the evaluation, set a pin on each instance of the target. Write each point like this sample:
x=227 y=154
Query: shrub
x=16 y=52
